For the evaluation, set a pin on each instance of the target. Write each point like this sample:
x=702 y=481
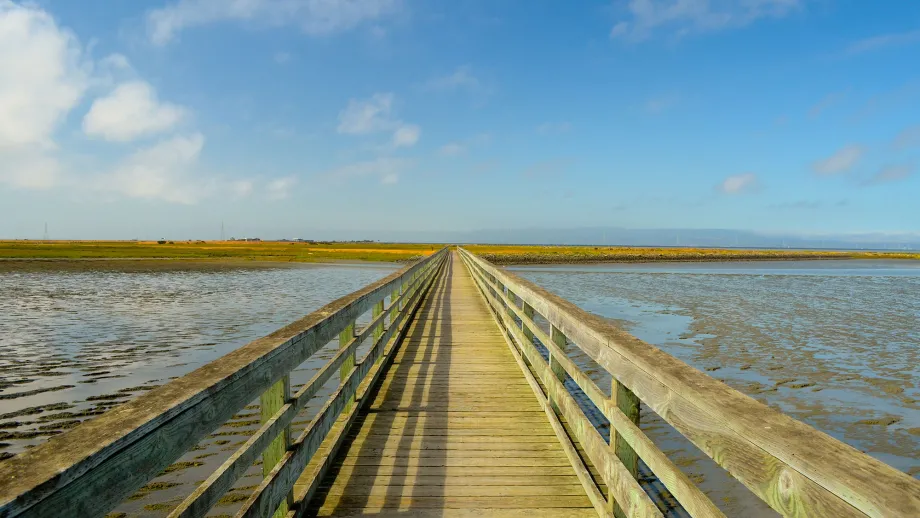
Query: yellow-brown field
x=214 y=250
x=516 y=254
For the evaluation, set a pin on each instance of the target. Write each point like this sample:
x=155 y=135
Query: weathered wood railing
x=794 y=468
x=94 y=467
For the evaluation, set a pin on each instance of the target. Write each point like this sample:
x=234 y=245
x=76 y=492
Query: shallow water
x=835 y=344
x=85 y=341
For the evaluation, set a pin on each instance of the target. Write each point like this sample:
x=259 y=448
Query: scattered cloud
x=738 y=184
x=460 y=79
x=828 y=101
x=367 y=116
x=452 y=149
x=282 y=58
x=387 y=169
x=131 y=111
x=661 y=104
x=161 y=172
x=375 y=115
x=882 y=41
x=892 y=173
x=908 y=138
x=840 y=162
x=406 y=136
x=554 y=128
x=29 y=169
x=241 y=188
x=280 y=188
x=679 y=18
x=314 y=17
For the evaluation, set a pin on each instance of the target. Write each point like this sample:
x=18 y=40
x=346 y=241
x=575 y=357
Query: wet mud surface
x=836 y=346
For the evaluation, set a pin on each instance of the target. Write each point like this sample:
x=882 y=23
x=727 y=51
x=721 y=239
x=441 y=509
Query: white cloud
x=452 y=149
x=738 y=183
x=315 y=17
x=682 y=17
x=130 y=111
x=241 y=188
x=883 y=40
x=406 y=136
x=388 y=169
x=840 y=162
x=115 y=62
x=461 y=79
x=280 y=188
x=367 y=116
x=43 y=75
x=376 y=115
x=162 y=172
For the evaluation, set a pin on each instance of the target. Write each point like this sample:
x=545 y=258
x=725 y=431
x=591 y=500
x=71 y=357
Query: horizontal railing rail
x=92 y=468
x=794 y=468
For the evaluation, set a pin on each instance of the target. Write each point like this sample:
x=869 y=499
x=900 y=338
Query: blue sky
x=287 y=118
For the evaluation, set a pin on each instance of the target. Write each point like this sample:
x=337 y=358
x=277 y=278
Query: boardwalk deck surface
x=453 y=429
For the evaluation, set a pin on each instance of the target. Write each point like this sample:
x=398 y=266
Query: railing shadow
x=398 y=411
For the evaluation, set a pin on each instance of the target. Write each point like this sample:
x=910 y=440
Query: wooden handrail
x=796 y=469
x=93 y=467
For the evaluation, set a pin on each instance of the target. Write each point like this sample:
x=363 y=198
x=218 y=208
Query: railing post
x=625 y=400
x=559 y=339
x=345 y=337
x=378 y=331
x=270 y=402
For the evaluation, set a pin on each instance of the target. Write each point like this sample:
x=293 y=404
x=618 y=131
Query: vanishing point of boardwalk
x=454 y=394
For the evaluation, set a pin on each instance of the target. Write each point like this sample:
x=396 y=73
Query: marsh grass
x=533 y=254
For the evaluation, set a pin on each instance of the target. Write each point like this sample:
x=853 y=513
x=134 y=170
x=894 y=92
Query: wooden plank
x=467 y=513
x=470 y=478
x=271 y=402
x=350 y=488
x=377 y=503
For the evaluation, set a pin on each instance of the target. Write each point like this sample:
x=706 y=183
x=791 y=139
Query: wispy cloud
x=826 y=102
x=892 y=173
x=551 y=168
x=280 y=188
x=644 y=18
x=738 y=184
x=661 y=104
x=461 y=78
x=387 y=169
x=882 y=41
x=282 y=58
x=315 y=17
x=375 y=115
x=908 y=138
x=841 y=161
x=452 y=149
x=554 y=128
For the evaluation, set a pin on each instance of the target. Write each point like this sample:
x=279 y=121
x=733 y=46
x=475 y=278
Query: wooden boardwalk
x=454 y=428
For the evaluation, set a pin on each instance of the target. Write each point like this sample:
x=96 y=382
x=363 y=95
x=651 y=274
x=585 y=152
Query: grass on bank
x=215 y=250
x=529 y=254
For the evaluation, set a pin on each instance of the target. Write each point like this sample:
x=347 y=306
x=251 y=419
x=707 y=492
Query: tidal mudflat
x=835 y=344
